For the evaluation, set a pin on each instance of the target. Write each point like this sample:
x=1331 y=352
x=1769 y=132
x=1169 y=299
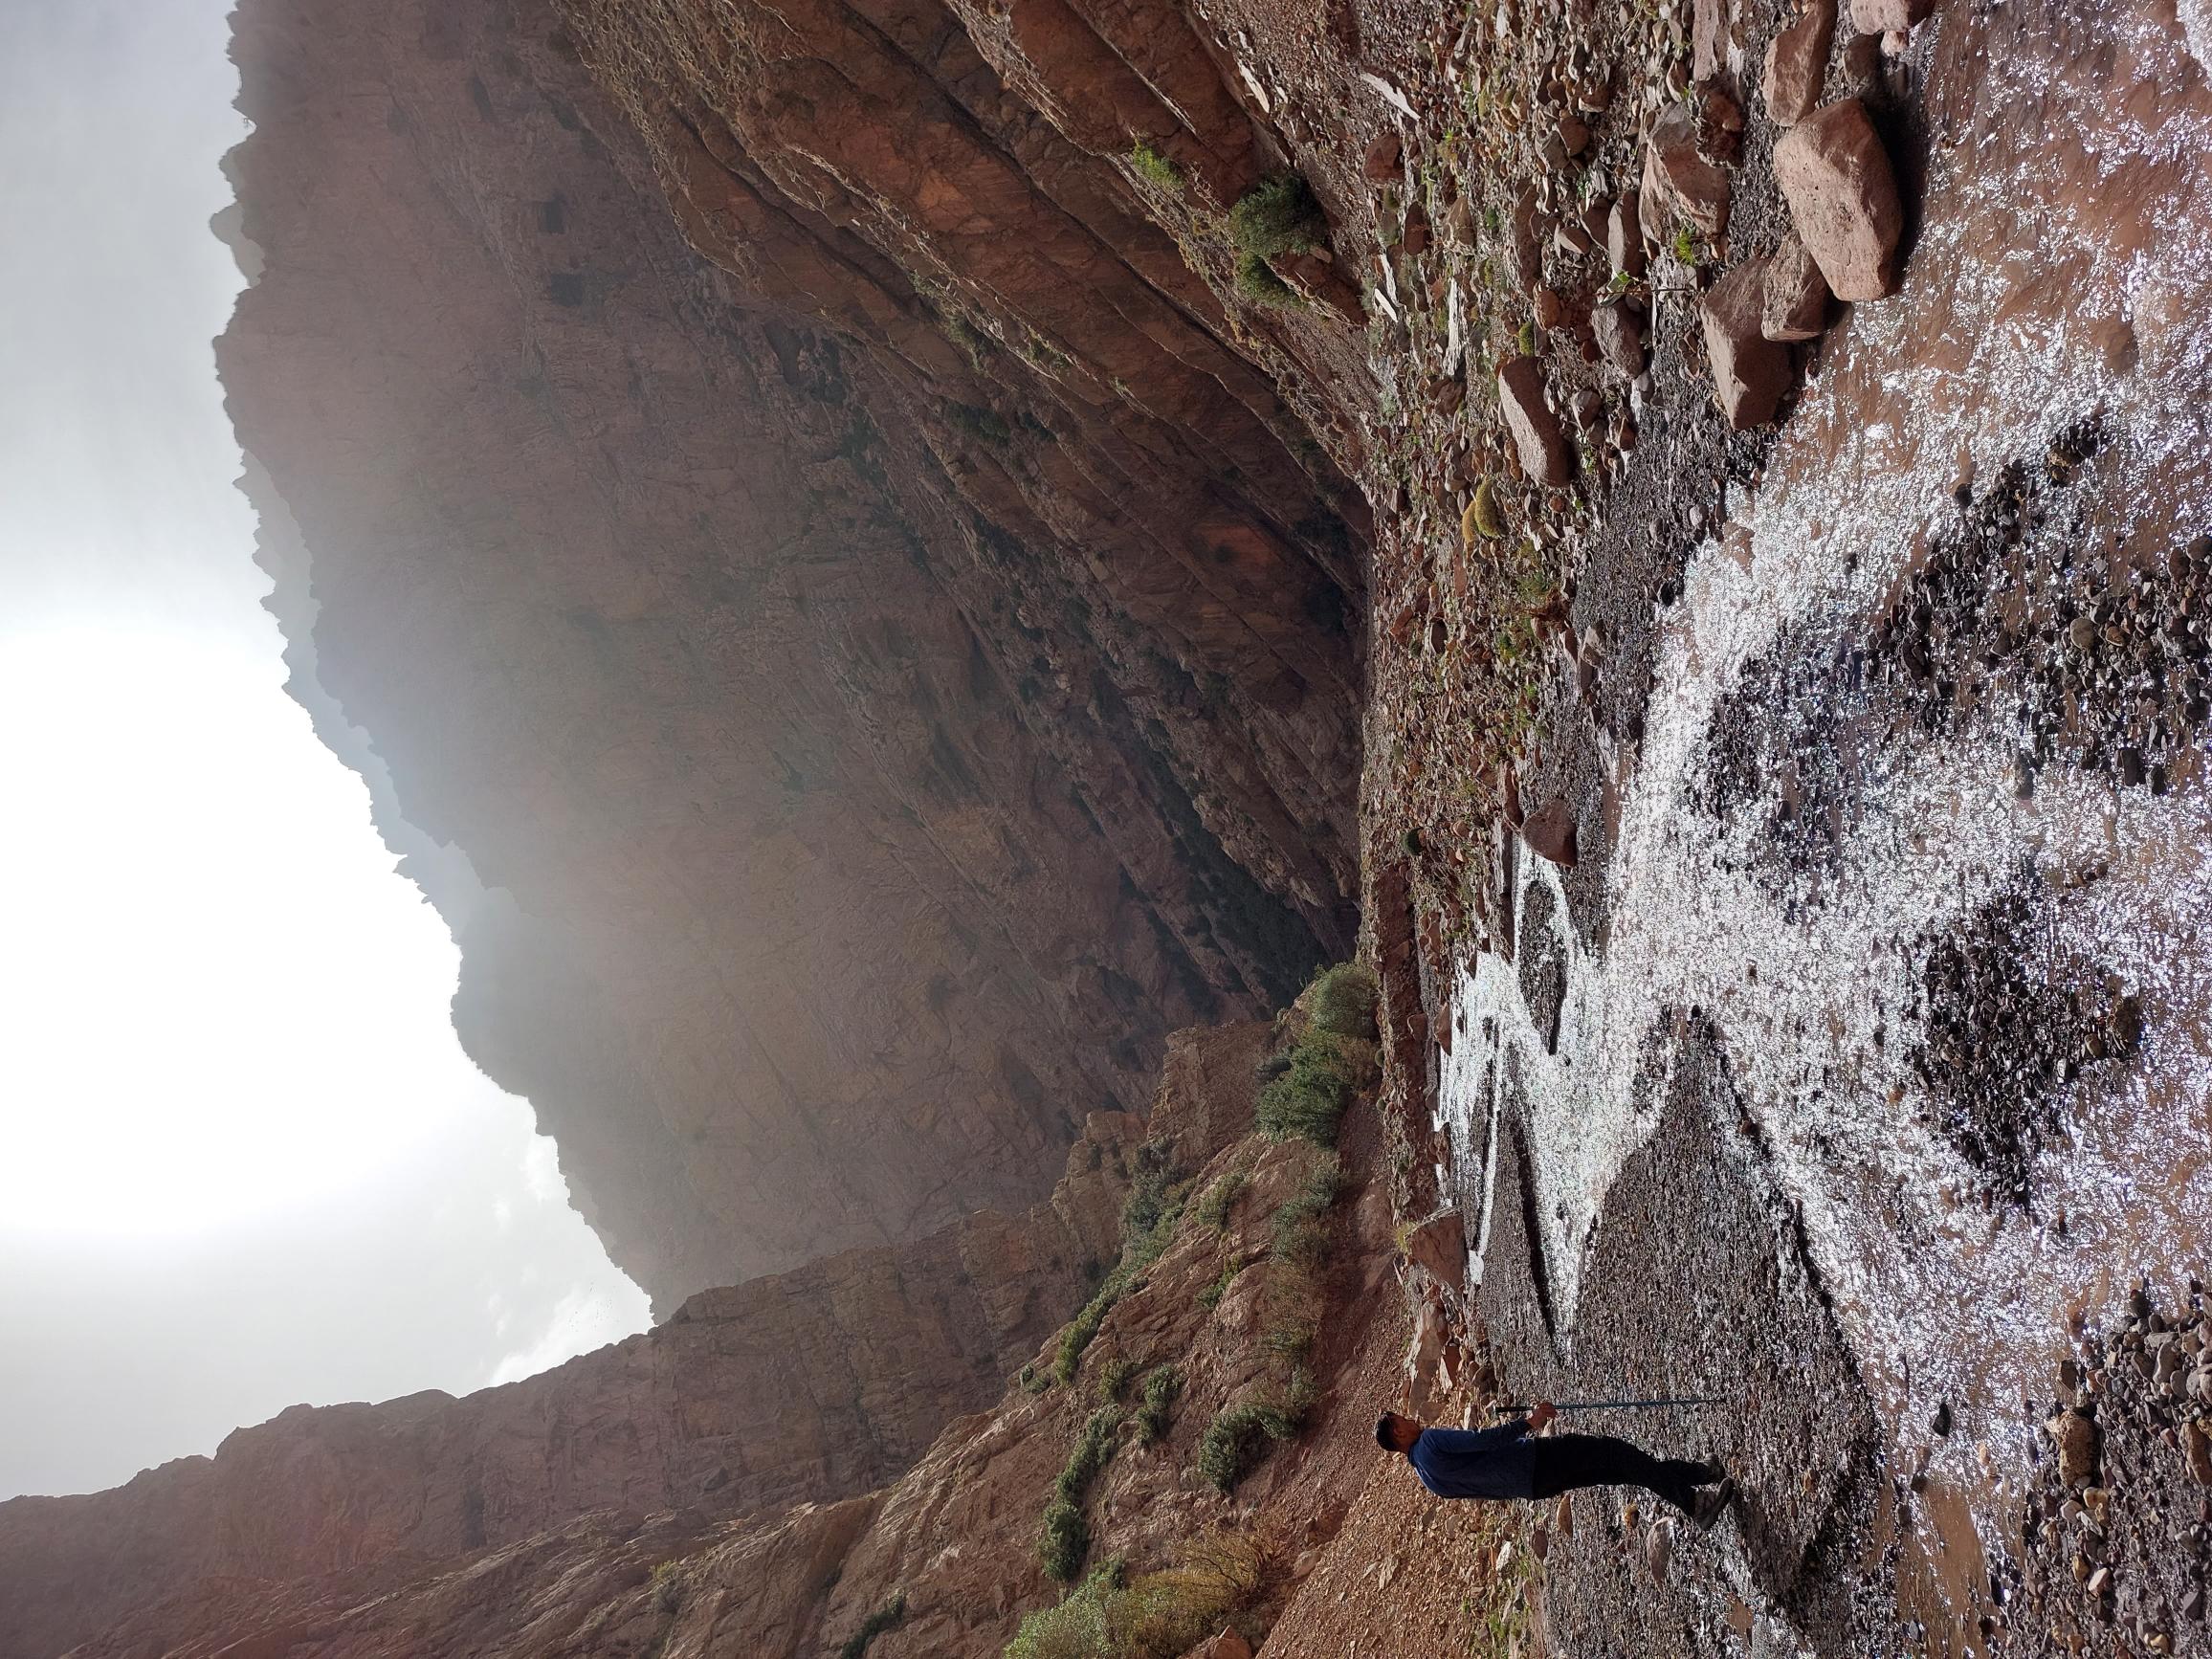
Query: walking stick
x=1515 y=1409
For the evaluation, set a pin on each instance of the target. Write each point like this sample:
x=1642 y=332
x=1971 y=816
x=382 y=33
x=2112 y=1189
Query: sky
x=243 y=1160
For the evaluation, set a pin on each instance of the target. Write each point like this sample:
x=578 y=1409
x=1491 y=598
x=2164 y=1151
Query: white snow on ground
x=2064 y=266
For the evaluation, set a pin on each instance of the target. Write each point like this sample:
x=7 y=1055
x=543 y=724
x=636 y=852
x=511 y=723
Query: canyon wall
x=853 y=691
x=804 y=1387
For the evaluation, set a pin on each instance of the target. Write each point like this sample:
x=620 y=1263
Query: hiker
x=1510 y=1461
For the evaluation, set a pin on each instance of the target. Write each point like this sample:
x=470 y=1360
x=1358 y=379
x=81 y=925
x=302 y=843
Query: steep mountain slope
x=843 y=747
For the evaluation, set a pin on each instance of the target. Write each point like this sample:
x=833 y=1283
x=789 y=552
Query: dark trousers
x=1569 y=1462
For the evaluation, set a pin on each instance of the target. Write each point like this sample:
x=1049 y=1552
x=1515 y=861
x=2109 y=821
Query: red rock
x=1797 y=59
x=1749 y=371
x=1625 y=235
x=1528 y=256
x=1536 y=431
x=1550 y=834
x=2075 y=1437
x=1439 y=1245
x=1843 y=199
x=1883 y=17
x=1619 y=328
x=1709 y=21
x=1229 y=1645
x=1793 y=300
x=1386 y=156
x=1676 y=176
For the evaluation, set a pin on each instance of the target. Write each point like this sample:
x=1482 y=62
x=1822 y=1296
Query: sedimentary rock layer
x=851 y=697
x=798 y=1387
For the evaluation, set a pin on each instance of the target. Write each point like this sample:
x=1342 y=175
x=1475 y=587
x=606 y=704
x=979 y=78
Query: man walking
x=1510 y=1461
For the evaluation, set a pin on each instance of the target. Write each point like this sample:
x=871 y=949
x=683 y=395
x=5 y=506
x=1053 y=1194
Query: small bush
x=1160 y=1615
x=1297 y=1233
x=1063 y=1541
x=1154 y=167
x=1157 y=1409
x=1065 y=1537
x=987 y=424
x=1238 y=1437
x=1309 y=1098
x=1068 y=1358
x=668 y=1586
x=1113 y=1378
x=1257 y=282
x=1033 y=1379
x=1209 y=1298
x=1221 y=1198
x=1278 y=215
x=1342 y=1001
x=884 y=1618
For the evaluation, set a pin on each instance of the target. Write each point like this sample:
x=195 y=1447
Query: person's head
x=1396 y=1433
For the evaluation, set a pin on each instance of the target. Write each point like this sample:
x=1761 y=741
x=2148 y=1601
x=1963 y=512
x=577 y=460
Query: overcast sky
x=243 y=1162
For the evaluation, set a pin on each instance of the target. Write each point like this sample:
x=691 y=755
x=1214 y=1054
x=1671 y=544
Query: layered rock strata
x=801 y=1388
x=851 y=694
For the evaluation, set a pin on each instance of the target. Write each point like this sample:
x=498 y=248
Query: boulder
x=2076 y=1438
x=1797 y=59
x=1440 y=1247
x=1677 y=176
x=1385 y=156
x=1550 y=834
x=2197 y=1449
x=1625 y=235
x=1536 y=431
x=1883 y=17
x=1843 y=199
x=1749 y=371
x=1794 y=301
x=1708 y=39
x=1618 y=329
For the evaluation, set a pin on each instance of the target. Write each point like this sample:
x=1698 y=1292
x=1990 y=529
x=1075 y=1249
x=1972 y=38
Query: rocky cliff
x=853 y=693
x=577 y=1513
x=800 y=1387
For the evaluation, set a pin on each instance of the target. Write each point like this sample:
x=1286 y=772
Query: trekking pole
x=1515 y=1409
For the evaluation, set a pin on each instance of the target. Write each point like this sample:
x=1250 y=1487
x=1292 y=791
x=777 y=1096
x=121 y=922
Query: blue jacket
x=1499 y=1462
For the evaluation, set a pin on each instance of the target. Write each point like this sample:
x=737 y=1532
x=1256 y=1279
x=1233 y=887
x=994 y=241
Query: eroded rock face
x=528 y=1519
x=851 y=694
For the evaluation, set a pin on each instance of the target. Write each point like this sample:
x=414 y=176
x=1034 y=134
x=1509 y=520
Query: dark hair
x=1382 y=1427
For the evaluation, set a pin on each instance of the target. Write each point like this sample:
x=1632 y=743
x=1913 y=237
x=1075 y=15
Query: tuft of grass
x=1213 y=1209
x=1154 y=167
x=1256 y=281
x=1148 y=1218
x=1162 y=1385
x=1279 y=214
x=884 y=1618
x=1308 y=1097
x=1298 y=1235
x=1685 y=250
x=1209 y=1297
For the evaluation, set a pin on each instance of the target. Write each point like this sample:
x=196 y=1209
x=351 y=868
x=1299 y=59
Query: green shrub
x=1068 y=1360
x=1238 y=1437
x=884 y=1618
x=1114 y=1377
x=1309 y=1098
x=1278 y=215
x=1160 y=1615
x=1065 y=1537
x=1153 y=166
x=1257 y=282
x=1209 y=1298
x=1297 y=1233
x=1162 y=1385
x=1342 y=1001
x=1221 y=1198
x=1064 y=1541
x=978 y=422
x=1033 y=1379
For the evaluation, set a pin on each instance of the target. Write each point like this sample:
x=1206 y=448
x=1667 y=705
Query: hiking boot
x=1713 y=1504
